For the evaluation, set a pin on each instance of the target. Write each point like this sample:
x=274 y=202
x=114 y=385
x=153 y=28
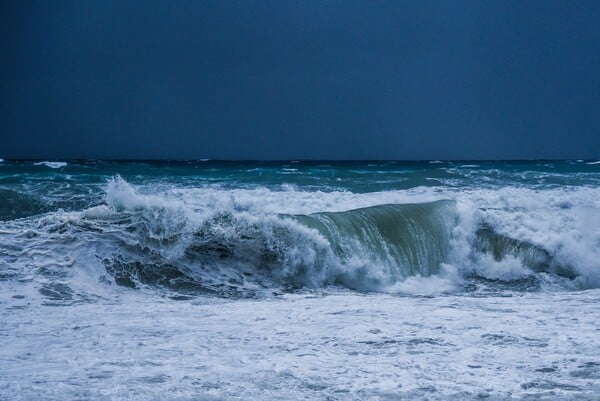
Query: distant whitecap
x=51 y=164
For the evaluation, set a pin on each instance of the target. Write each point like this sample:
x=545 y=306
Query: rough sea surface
x=213 y=280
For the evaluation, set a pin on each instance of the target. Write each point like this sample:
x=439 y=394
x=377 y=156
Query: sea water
x=215 y=280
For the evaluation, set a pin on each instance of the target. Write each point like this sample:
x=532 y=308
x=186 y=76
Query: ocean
x=299 y=280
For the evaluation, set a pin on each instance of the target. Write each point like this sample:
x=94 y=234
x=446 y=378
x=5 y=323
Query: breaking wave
x=186 y=244
x=162 y=241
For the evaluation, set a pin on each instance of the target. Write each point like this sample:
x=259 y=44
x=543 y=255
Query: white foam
x=346 y=346
x=596 y=162
x=447 y=281
x=508 y=269
x=51 y=164
x=98 y=212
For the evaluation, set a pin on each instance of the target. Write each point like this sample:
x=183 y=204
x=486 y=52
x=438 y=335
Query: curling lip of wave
x=363 y=249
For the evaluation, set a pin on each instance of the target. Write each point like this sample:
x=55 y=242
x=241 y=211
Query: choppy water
x=299 y=280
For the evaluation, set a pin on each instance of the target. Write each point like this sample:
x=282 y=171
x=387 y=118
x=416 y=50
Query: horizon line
x=205 y=160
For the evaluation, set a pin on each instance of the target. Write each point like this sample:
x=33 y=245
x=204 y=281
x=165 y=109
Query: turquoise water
x=27 y=184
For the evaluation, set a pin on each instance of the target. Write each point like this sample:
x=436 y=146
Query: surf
x=213 y=240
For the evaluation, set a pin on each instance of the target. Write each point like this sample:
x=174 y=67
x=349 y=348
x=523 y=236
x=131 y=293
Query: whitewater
x=217 y=280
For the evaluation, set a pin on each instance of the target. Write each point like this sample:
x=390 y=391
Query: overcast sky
x=300 y=79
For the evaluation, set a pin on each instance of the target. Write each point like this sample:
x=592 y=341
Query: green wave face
x=400 y=239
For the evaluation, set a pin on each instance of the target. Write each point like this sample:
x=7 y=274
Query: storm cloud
x=300 y=80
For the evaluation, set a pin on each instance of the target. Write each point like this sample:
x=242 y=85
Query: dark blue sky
x=300 y=79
